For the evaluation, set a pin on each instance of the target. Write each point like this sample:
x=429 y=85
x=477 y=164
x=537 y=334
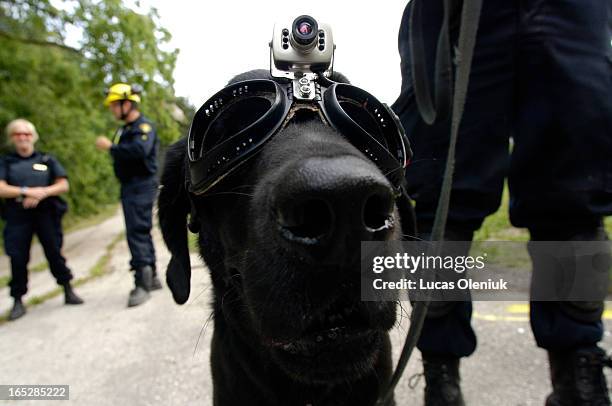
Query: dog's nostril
x=306 y=221
x=377 y=212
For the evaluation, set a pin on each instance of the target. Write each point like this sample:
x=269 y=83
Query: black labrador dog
x=289 y=325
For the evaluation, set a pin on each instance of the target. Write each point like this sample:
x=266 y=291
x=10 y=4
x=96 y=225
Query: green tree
x=59 y=87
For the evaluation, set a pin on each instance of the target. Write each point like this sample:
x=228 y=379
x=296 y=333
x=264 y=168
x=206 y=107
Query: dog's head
x=281 y=237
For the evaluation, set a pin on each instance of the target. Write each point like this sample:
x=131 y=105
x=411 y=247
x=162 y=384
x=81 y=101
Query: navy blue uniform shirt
x=37 y=170
x=135 y=154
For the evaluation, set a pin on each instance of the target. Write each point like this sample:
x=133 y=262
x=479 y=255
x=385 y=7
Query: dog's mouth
x=338 y=326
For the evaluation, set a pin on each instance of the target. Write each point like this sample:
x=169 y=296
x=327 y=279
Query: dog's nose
x=325 y=204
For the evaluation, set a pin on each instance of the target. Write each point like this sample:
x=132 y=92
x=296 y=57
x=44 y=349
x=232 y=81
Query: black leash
x=470 y=16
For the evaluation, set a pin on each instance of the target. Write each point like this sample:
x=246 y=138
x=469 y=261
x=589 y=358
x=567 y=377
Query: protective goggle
x=218 y=143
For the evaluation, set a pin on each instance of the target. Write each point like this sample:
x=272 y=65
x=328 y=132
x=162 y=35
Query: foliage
x=58 y=84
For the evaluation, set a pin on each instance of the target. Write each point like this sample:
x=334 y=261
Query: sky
x=219 y=39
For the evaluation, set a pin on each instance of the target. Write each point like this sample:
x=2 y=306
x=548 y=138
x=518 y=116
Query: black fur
x=266 y=293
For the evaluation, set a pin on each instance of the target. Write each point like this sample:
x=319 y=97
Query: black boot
x=71 y=298
x=442 y=381
x=142 y=280
x=577 y=378
x=18 y=310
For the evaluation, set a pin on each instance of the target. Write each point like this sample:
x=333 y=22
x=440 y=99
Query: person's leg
x=482 y=146
x=137 y=230
x=561 y=173
x=441 y=356
x=560 y=321
x=570 y=330
x=482 y=155
x=46 y=228
x=449 y=318
x=17 y=241
x=481 y=165
x=137 y=201
x=138 y=211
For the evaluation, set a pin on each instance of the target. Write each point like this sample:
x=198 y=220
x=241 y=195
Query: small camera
x=301 y=47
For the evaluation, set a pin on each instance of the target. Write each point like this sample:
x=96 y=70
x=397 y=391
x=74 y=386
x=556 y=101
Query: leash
x=470 y=16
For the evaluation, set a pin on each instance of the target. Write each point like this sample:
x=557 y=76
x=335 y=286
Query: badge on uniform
x=40 y=167
x=145 y=128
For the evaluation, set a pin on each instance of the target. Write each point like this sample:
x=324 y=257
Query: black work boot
x=71 y=298
x=18 y=310
x=142 y=281
x=442 y=381
x=577 y=378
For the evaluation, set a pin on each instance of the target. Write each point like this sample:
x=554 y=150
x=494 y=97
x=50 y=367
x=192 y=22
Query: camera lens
x=304 y=30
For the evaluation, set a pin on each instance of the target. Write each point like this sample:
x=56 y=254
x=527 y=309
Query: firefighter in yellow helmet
x=122 y=91
x=134 y=154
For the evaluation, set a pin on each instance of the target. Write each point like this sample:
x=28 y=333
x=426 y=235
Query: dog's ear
x=174 y=206
x=407 y=215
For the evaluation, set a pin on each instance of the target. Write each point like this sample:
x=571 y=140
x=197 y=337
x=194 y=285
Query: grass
x=193 y=242
x=99 y=269
x=497 y=226
x=4 y=280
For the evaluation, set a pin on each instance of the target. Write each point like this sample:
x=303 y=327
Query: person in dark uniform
x=541 y=73
x=134 y=155
x=31 y=182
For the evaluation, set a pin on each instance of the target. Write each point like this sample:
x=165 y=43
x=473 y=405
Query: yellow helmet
x=122 y=91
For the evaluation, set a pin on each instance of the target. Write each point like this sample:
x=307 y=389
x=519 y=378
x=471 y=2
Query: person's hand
x=103 y=143
x=38 y=193
x=30 y=202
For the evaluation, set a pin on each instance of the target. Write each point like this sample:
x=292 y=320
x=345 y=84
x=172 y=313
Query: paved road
x=158 y=353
